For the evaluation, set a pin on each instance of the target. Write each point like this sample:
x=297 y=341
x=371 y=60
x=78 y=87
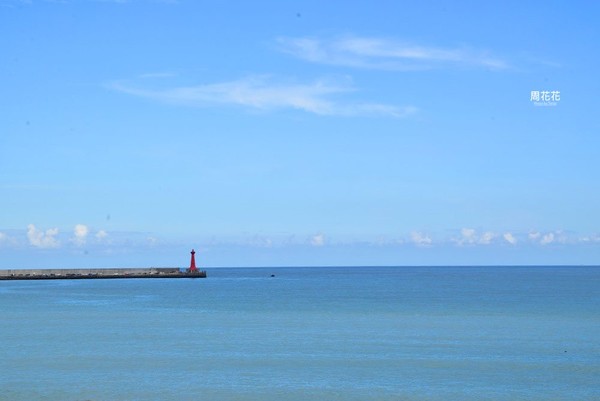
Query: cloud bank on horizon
x=465 y=237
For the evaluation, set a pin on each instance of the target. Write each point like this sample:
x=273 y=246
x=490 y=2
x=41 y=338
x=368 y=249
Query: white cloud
x=557 y=236
x=263 y=94
x=590 y=238
x=42 y=239
x=420 y=239
x=5 y=239
x=386 y=54
x=469 y=236
x=562 y=237
x=487 y=238
x=317 y=240
x=508 y=237
x=547 y=239
x=80 y=231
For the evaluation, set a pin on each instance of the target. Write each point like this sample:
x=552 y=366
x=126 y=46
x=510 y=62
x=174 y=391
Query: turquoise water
x=306 y=334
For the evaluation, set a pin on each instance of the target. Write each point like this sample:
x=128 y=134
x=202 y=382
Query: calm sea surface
x=306 y=334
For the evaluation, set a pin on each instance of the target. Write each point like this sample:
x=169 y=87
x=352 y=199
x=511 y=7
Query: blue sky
x=298 y=133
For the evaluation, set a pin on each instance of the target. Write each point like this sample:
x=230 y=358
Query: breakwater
x=71 y=274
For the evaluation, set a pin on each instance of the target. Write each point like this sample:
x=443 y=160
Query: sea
x=326 y=333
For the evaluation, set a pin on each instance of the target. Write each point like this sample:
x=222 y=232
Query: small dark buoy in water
x=272 y=275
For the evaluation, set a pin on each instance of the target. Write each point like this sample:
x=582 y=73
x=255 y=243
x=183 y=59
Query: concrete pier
x=70 y=274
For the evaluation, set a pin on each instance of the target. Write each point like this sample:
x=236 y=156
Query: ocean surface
x=443 y=333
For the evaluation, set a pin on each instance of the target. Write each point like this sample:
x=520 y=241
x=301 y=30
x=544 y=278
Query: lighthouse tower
x=193 y=262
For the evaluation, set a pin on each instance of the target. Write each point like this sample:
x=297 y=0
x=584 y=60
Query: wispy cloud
x=264 y=94
x=156 y=75
x=387 y=54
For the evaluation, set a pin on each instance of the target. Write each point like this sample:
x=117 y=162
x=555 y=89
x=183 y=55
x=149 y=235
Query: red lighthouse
x=193 y=262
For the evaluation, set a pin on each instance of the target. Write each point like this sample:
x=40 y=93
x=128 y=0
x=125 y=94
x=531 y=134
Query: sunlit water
x=306 y=334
